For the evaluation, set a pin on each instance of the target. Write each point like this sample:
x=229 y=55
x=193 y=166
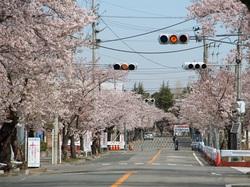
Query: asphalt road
x=154 y=168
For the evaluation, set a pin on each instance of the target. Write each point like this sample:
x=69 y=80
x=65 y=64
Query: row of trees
x=41 y=80
x=211 y=101
x=164 y=100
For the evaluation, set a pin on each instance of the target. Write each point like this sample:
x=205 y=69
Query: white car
x=148 y=136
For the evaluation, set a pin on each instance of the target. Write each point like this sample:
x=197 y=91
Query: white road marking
x=215 y=174
x=139 y=163
x=106 y=164
x=239 y=184
x=244 y=170
x=176 y=156
x=172 y=164
x=198 y=159
x=156 y=164
x=123 y=163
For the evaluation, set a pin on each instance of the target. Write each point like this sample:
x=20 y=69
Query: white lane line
x=198 y=159
x=123 y=163
x=172 y=164
x=106 y=164
x=176 y=157
x=139 y=163
x=156 y=164
x=215 y=174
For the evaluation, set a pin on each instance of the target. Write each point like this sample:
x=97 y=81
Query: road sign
x=33 y=152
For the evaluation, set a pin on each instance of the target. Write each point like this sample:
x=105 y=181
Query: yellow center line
x=154 y=157
x=121 y=180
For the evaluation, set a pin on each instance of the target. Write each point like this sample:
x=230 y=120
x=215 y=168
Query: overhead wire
x=144 y=17
x=145 y=33
x=165 y=52
x=131 y=9
x=154 y=62
x=150 y=52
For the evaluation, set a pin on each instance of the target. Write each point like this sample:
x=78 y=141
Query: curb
x=34 y=171
x=17 y=171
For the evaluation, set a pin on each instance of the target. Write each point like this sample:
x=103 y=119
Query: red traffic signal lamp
x=173 y=38
x=124 y=66
x=194 y=65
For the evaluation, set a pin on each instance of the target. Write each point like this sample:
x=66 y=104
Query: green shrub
x=43 y=146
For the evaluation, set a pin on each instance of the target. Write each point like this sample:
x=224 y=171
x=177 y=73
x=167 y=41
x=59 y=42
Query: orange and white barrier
x=114 y=146
x=227 y=157
x=243 y=158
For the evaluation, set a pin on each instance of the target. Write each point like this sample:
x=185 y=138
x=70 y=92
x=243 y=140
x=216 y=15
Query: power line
x=221 y=41
x=146 y=33
x=131 y=9
x=144 y=17
x=150 y=52
x=154 y=62
x=173 y=51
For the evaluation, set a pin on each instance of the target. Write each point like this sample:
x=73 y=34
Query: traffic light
x=149 y=101
x=124 y=66
x=173 y=38
x=194 y=65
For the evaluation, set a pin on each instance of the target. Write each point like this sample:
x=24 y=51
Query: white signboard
x=181 y=128
x=33 y=152
x=87 y=141
x=104 y=139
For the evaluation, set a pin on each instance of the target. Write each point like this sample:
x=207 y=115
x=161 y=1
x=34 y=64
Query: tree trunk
x=247 y=140
x=65 y=139
x=95 y=146
x=72 y=147
x=81 y=142
x=8 y=138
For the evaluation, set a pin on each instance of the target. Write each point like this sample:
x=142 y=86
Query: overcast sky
x=124 y=18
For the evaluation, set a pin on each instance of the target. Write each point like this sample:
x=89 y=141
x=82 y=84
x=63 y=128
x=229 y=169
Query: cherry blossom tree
x=210 y=103
x=37 y=41
x=234 y=16
x=78 y=95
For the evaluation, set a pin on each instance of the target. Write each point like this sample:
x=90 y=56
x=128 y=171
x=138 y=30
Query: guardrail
x=240 y=158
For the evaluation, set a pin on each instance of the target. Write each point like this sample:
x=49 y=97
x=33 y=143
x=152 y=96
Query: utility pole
x=236 y=126
x=205 y=52
x=55 y=132
x=93 y=42
x=238 y=90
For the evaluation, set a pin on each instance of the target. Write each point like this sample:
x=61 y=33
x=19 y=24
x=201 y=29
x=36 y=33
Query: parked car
x=197 y=146
x=148 y=136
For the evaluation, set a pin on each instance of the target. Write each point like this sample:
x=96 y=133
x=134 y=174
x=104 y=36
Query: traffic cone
x=218 y=158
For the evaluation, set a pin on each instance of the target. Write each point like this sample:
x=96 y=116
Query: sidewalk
x=71 y=165
x=245 y=170
x=66 y=166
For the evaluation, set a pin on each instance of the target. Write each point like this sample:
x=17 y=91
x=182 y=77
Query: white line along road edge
x=198 y=159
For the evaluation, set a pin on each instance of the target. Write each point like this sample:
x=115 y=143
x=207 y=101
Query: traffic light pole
x=238 y=90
